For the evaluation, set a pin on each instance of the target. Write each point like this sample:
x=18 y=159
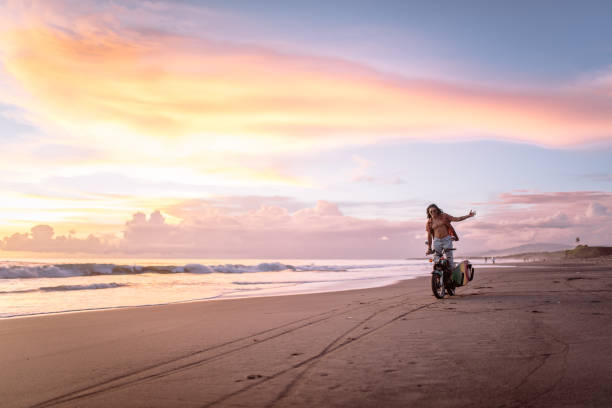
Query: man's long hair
x=432 y=206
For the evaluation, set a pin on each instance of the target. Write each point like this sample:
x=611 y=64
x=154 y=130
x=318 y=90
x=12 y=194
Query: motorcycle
x=445 y=278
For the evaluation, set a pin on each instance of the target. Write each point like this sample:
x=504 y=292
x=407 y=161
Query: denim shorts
x=444 y=243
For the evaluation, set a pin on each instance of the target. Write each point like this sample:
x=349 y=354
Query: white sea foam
x=15 y=271
x=61 y=288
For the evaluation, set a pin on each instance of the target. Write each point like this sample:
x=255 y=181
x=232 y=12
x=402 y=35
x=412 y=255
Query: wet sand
x=536 y=336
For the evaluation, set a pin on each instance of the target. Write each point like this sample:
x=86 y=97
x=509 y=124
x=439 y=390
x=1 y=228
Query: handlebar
x=443 y=250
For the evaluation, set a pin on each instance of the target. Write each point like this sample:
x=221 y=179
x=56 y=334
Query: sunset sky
x=301 y=129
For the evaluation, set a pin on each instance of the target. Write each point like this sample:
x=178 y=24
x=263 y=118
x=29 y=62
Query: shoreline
x=221 y=297
x=40 y=291
x=542 y=331
x=212 y=299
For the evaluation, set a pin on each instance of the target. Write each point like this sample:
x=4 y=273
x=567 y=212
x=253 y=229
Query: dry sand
x=538 y=336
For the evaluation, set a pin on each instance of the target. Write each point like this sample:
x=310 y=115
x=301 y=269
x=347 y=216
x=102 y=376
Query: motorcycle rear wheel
x=437 y=286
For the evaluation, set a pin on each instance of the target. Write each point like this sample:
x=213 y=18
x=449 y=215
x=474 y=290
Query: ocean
x=59 y=285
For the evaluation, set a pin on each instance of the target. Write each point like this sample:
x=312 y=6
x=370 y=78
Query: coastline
x=301 y=291
x=536 y=329
x=87 y=287
x=287 y=288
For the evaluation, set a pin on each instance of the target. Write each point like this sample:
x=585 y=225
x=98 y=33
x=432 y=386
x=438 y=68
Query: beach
x=524 y=336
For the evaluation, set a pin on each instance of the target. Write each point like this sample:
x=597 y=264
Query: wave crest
x=62 y=288
x=17 y=271
x=91 y=269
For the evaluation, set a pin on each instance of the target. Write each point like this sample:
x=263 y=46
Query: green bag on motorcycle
x=463 y=273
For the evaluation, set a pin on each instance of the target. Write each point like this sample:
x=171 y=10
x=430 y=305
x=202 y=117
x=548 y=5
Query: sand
x=528 y=336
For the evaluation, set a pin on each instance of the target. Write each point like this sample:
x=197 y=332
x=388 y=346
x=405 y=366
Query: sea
x=35 y=287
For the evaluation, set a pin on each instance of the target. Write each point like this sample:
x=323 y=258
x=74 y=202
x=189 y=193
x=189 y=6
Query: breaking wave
x=15 y=271
x=62 y=288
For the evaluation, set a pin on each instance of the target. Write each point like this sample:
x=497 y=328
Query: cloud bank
x=323 y=231
x=320 y=232
x=519 y=218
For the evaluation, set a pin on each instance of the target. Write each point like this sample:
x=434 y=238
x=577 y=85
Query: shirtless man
x=438 y=227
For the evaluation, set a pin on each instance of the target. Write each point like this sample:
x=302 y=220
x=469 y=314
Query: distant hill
x=528 y=248
x=580 y=252
x=585 y=251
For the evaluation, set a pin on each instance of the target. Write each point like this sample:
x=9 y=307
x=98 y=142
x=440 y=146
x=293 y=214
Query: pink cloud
x=596 y=210
x=321 y=231
x=525 y=197
x=559 y=217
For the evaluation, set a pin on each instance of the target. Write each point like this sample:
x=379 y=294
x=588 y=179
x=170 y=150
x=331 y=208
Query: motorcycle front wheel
x=437 y=286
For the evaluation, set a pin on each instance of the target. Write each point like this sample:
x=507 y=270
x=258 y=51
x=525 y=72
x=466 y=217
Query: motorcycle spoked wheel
x=437 y=286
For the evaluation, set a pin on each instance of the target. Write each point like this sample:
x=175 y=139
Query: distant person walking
x=440 y=230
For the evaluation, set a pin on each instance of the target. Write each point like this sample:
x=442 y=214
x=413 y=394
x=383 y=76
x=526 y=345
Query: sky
x=301 y=129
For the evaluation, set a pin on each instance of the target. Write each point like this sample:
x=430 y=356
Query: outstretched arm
x=465 y=217
x=429 y=251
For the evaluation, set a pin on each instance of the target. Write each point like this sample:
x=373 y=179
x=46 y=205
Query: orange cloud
x=93 y=73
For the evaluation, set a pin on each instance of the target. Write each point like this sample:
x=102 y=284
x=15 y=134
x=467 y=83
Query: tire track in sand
x=126 y=379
